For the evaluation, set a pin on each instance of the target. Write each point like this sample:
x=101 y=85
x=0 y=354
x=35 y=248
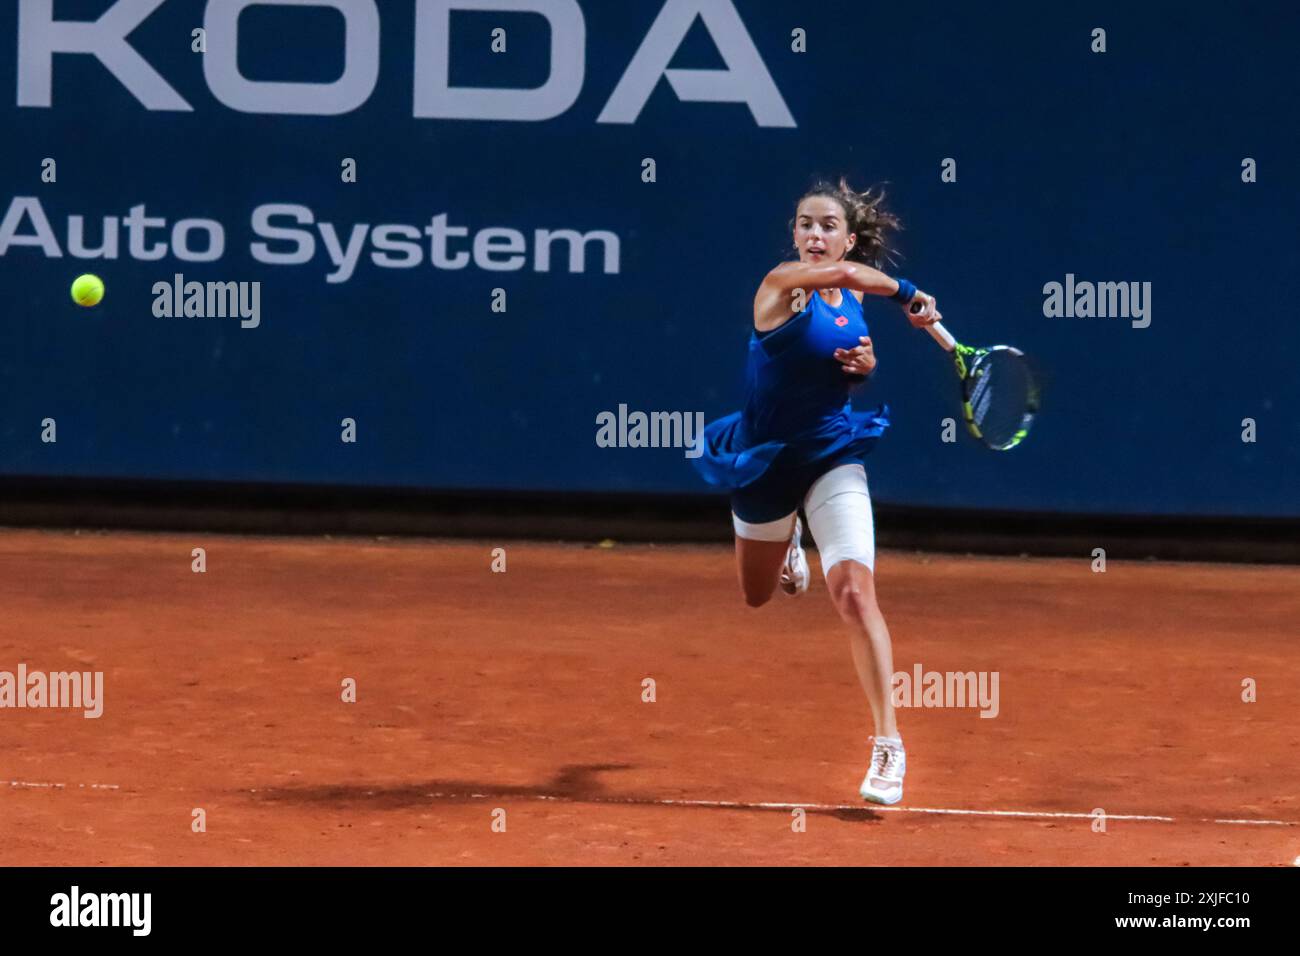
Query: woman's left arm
x=859 y=360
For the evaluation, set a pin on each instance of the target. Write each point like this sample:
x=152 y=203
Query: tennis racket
x=999 y=395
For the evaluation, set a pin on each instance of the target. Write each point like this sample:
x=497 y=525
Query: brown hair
x=866 y=217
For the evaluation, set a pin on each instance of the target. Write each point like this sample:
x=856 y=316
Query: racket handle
x=942 y=336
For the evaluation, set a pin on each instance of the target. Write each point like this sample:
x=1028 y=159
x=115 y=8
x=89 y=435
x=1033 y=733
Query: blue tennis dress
x=798 y=422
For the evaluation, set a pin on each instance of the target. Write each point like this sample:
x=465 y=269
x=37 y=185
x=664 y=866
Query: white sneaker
x=884 y=781
x=794 y=575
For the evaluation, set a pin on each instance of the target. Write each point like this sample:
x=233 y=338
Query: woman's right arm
x=775 y=301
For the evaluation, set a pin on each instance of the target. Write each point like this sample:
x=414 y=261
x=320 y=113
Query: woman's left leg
x=853 y=592
x=839 y=515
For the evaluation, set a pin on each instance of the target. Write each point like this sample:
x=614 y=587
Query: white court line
x=29 y=785
x=1260 y=823
x=876 y=808
x=764 y=805
x=1038 y=814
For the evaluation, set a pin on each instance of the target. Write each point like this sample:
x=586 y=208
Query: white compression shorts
x=838 y=507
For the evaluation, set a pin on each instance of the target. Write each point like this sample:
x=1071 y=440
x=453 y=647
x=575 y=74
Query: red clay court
x=523 y=691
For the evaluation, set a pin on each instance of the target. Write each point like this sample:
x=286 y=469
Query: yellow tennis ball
x=88 y=290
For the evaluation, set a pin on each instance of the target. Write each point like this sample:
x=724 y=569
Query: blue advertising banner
x=444 y=243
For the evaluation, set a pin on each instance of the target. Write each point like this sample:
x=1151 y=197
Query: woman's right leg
x=763 y=515
x=761 y=550
x=759 y=564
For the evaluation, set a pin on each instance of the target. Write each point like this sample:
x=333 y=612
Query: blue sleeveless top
x=797 y=400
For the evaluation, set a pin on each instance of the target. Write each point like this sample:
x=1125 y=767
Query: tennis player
x=798 y=441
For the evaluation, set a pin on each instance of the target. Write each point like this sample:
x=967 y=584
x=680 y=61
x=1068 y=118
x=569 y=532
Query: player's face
x=820 y=231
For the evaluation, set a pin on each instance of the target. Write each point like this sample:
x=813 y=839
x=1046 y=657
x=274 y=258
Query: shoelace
x=885 y=760
x=791 y=562
x=796 y=546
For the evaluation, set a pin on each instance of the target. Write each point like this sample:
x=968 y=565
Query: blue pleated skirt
x=727 y=462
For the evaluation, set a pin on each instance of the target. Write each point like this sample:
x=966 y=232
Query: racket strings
x=1001 y=397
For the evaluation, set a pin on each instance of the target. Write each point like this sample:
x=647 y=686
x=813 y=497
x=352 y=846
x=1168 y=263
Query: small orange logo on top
x=841 y=321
